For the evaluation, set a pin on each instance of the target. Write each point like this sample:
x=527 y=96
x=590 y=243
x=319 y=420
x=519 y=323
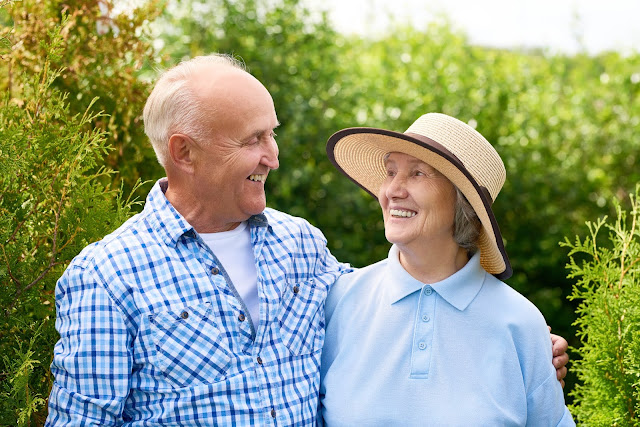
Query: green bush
x=55 y=198
x=101 y=56
x=607 y=276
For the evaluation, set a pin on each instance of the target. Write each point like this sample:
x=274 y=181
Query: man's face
x=231 y=167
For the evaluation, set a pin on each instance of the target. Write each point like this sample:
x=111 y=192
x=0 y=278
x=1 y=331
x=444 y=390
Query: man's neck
x=199 y=215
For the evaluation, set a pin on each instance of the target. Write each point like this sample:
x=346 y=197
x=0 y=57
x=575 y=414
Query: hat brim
x=359 y=154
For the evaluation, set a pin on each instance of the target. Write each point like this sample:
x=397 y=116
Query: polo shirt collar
x=459 y=289
x=402 y=283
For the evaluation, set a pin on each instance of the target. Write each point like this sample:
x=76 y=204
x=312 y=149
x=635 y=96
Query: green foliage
x=608 y=288
x=55 y=198
x=100 y=54
x=17 y=388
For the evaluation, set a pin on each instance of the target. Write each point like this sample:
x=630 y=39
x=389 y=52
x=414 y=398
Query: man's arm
x=560 y=356
x=92 y=360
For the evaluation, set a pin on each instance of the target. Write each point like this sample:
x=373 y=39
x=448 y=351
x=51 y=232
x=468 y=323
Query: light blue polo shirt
x=466 y=351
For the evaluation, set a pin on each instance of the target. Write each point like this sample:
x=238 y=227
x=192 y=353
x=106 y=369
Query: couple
x=208 y=308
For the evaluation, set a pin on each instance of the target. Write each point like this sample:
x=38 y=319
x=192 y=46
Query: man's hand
x=560 y=357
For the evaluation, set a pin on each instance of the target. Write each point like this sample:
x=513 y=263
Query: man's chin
x=256 y=209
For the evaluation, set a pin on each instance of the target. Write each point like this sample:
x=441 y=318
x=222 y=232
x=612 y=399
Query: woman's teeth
x=401 y=213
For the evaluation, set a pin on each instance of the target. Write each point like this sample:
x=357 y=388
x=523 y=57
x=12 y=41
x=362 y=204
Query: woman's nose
x=397 y=188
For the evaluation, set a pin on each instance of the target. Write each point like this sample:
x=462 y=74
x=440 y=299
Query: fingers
x=560 y=345
x=560 y=356
x=561 y=373
x=560 y=362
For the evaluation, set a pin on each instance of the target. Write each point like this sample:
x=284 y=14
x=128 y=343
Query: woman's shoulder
x=359 y=276
x=351 y=285
x=509 y=304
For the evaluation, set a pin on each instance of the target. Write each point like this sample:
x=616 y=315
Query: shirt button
x=241 y=317
x=184 y=314
x=296 y=289
x=422 y=346
x=273 y=413
x=427 y=291
x=259 y=360
x=425 y=318
x=215 y=270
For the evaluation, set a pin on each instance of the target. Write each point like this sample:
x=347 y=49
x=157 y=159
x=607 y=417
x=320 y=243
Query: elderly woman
x=431 y=335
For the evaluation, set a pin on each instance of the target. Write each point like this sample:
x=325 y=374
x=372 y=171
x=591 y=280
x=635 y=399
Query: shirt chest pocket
x=302 y=317
x=190 y=350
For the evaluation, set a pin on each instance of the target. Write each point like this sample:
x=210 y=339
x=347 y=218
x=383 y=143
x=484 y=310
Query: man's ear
x=182 y=152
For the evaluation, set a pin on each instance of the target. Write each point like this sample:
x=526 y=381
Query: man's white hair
x=173 y=106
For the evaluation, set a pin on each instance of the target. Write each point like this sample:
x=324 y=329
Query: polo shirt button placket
x=273 y=413
x=215 y=271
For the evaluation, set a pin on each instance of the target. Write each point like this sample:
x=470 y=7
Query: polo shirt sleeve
x=543 y=407
x=92 y=360
x=545 y=397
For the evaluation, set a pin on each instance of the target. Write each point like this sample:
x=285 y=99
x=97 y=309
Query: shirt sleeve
x=325 y=267
x=543 y=407
x=92 y=360
x=545 y=397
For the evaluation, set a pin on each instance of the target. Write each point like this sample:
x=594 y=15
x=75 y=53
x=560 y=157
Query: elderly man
x=207 y=308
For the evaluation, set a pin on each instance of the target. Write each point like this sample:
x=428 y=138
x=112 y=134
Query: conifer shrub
x=606 y=270
x=55 y=198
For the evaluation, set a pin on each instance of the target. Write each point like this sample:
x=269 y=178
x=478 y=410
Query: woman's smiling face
x=418 y=202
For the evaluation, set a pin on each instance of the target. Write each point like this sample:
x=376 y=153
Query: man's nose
x=271 y=156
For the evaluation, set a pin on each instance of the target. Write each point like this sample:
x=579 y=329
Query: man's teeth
x=261 y=178
x=400 y=213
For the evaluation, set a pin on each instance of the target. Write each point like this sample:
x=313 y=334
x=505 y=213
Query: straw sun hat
x=452 y=147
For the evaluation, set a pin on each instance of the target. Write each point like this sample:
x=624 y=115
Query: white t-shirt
x=235 y=252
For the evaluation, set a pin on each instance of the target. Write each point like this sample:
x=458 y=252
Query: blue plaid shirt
x=152 y=330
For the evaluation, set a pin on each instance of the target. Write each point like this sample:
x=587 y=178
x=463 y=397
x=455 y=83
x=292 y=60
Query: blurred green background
x=565 y=125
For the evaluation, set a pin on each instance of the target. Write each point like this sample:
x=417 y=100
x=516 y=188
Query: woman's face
x=418 y=202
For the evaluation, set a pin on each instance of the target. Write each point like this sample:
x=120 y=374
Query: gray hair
x=174 y=107
x=467 y=225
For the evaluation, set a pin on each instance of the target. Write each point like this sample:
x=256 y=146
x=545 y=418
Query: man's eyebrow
x=258 y=133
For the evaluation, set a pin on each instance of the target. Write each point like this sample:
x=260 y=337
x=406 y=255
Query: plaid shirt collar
x=169 y=224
